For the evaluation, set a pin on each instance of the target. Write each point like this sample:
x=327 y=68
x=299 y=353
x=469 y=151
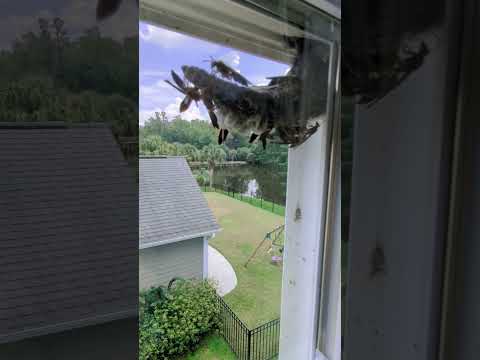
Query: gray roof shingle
x=172 y=206
x=69 y=230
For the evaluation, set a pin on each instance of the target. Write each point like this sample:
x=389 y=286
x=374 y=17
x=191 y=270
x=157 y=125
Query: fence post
x=249 y=349
x=261 y=202
x=273 y=207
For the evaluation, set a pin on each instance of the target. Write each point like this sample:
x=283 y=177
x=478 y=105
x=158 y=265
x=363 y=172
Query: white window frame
x=311 y=277
x=313 y=243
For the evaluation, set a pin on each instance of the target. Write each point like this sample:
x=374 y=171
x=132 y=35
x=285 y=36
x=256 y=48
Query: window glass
x=250 y=80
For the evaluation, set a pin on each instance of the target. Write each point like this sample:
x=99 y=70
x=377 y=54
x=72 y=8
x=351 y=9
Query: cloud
x=156 y=94
x=259 y=80
x=144 y=115
x=172 y=110
x=163 y=37
x=193 y=112
x=232 y=59
x=153 y=74
x=168 y=39
x=159 y=96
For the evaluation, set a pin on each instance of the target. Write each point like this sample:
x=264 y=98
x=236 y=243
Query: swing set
x=275 y=236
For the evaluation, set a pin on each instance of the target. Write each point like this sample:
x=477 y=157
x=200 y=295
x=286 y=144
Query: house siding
x=159 y=264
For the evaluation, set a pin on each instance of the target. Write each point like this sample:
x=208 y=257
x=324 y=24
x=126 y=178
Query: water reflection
x=252 y=188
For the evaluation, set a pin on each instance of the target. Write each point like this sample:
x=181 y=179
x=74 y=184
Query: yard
x=212 y=348
x=256 y=299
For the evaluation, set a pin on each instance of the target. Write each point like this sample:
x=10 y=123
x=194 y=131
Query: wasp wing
x=176 y=87
x=213 y=118
x=239 y=78
x=229 y=73
x=178 y=80
x=185 y=104
x=220 y=137
x=252 y=138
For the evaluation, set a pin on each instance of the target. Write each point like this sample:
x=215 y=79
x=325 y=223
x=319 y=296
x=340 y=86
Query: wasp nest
x=287 y=110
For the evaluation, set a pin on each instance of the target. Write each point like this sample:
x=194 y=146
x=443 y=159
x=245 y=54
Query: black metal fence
x=257 y=201
x=261 y=343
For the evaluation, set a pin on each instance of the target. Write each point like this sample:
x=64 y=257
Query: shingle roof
x=69 y=230
x=172 y=206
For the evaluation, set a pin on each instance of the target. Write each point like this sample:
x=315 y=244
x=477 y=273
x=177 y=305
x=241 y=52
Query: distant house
x=175 y=222
x=68 y=244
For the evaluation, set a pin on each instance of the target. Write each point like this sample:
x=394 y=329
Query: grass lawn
x=256 y=299
x=212 y=347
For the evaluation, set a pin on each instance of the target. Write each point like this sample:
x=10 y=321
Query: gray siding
x=159 y=264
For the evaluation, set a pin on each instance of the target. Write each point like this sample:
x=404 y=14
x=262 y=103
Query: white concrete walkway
x=221 y=272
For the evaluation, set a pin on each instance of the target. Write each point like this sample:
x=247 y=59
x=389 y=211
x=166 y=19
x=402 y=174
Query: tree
x=213 y=154
x=251 y=158
x=242 y=153
x=190 y=152
x=156 y=124
x=60 y=35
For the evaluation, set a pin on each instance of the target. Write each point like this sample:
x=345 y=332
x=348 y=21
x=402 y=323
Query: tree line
x=51 y=75
x=197 y=141
x=197 y=138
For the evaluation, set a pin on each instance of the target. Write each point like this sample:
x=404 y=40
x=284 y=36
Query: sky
x=162 y=50
x=19 y=17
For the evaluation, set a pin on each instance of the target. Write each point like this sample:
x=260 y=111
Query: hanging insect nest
x=383 y=43
x=288 y=110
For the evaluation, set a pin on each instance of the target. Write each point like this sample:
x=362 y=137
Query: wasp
x=263 y=137
x=192 y=93
x=395 y=75
x=227 y=72
x=105 y=8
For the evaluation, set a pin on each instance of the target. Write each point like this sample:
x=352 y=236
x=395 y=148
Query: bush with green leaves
x=202 y=176
x=175 y=321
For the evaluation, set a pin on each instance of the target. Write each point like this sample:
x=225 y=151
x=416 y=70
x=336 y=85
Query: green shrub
x=202 y=176
x=187 y=313
x=149 y=300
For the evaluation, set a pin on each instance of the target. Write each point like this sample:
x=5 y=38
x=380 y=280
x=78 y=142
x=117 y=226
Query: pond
x=269 y=183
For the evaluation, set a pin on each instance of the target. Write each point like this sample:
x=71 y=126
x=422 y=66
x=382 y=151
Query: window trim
x=234 y=25
x=329 y=290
